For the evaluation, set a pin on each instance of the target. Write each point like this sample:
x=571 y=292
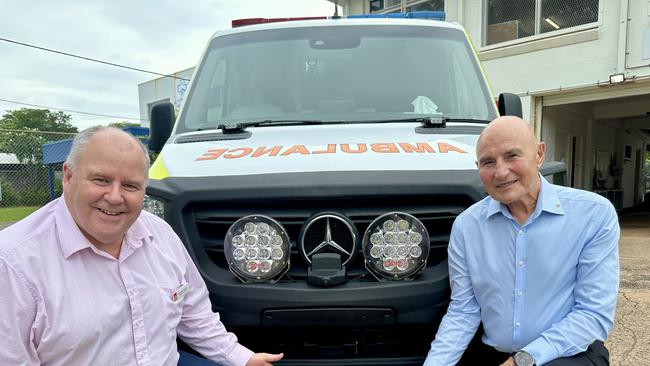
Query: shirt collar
x=547 y=200
x=70 y=236
x=137 y=234
x=72 y=239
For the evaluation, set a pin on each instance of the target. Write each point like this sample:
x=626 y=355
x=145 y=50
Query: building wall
x=163 y=89
x=571 y=58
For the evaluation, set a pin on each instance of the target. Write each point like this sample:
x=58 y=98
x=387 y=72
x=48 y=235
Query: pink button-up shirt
x=63 y=302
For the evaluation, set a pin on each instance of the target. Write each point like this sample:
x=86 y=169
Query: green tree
x=124 y=124
x=23 y=136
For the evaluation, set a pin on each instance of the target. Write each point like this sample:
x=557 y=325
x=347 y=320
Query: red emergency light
x=251 y=21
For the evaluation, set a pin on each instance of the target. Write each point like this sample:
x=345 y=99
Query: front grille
x=437 y=213
x=340 y=342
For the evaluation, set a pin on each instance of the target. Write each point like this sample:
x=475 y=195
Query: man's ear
x=67 y=174
x=541 y=153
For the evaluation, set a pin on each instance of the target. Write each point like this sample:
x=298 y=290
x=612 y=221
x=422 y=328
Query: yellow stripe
x=158 y=170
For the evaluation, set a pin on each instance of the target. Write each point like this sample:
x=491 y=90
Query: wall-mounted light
x=552 y=23
x=616 y=78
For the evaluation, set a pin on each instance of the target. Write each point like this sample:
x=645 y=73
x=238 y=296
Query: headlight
x=395 y=247
x=154 y=206
x=257 y=249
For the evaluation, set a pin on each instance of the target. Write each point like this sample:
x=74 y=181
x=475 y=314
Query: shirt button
x=520 y=232
x=520 y=263
x=519 y=292
x=517 y=324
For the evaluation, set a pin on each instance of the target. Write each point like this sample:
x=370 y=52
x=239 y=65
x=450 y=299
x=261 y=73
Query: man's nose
x=501 y=169
x=114 y=194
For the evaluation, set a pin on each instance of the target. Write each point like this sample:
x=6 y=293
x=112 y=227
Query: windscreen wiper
x=236 y=127
x=426 y=121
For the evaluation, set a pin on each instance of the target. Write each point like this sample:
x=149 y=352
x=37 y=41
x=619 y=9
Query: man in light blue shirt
x=535 y=263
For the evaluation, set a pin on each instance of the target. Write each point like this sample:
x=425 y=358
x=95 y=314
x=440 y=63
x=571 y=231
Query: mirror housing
x=162 y=119
x=556 y=171
x=510 y=105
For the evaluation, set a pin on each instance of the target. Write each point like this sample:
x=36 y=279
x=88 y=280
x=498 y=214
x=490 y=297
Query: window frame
x=537 y=36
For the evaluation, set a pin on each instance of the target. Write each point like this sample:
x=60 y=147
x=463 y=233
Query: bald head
x=507 y=128
x=118 y=138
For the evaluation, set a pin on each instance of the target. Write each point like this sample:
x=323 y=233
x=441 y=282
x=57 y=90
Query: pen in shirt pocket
x=180 y=292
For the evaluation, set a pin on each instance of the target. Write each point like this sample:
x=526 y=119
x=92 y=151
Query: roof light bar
x=431 y=15
x=252 y=21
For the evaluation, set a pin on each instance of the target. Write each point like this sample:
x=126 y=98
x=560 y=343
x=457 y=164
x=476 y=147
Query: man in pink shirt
x=91 y=279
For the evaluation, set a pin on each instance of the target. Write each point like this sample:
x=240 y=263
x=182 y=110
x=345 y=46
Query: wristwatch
x=523 y=358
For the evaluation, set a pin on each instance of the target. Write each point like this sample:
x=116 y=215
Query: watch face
x=523 y=358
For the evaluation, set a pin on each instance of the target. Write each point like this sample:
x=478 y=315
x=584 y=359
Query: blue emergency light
x=432 y=15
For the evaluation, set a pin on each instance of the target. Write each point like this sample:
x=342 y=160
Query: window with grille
x=514 y=19
x=393 y=6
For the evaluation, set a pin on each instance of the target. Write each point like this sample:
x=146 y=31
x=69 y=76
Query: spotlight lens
x=239 y=254
x=376 y=251
x=415 y=251
x=389 y=225
x=264 y=240
x=257 y=249
x=415 y=238
x=395 y=247
x=250 y=228
x=276 y=240
x=251 y=240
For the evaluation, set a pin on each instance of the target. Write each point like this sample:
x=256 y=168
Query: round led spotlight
x=395 y=247
x=257 y=249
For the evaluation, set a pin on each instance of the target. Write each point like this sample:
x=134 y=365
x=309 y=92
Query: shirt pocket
x=173 y=299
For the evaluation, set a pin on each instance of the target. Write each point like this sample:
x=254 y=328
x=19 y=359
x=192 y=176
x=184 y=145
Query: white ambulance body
x=314 y=173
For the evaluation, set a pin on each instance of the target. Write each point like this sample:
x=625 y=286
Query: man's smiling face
x=105 y=191
x=508 y=159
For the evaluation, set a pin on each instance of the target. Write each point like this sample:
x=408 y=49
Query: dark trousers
x=482 y=354
x=188 y=359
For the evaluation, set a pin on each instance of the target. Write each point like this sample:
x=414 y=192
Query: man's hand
x=509 y=362
x=264 y=359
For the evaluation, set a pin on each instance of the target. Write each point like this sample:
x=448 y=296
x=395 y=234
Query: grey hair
x=82 y=138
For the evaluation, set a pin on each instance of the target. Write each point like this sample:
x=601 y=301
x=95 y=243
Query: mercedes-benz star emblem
x=328 y=242
x=329 y=233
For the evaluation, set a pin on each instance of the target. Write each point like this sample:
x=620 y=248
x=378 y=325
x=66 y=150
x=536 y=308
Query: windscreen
x=335 y=74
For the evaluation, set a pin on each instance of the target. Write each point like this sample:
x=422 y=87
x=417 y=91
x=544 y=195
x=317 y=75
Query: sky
x=163 y=36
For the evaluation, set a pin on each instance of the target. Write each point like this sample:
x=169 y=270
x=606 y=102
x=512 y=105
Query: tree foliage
x=124 y=124
x=23 y=132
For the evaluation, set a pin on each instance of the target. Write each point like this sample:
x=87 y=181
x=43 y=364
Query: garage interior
x=605 y=143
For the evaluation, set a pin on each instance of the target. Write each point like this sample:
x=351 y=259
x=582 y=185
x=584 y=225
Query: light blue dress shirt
x=548 y=287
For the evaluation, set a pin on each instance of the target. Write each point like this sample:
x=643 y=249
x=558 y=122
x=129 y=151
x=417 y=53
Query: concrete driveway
x=629 y=343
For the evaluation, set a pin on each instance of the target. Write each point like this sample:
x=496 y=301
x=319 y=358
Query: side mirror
x=510 y=105
x=162 y=119
x=556 y=170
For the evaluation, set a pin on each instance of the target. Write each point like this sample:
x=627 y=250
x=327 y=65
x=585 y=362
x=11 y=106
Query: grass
x=11 y=214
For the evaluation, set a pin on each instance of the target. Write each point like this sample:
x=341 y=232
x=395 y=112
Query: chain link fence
x=30 y=166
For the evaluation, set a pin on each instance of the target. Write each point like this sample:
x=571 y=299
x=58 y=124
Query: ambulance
x=314 y=173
